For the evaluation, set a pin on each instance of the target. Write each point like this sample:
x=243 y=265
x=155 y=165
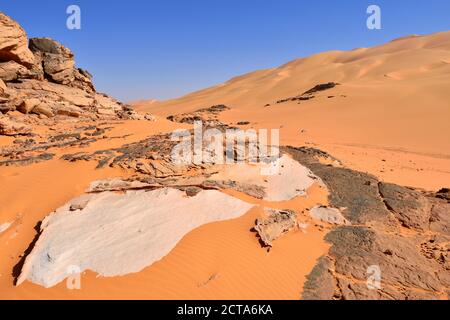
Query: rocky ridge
x=401 y=231
x=39 y=80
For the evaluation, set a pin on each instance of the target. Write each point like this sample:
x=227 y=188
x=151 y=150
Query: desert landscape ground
x=87 y=183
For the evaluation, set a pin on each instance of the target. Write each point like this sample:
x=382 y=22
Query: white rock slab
x=329 y=215
x=282 y=180
x=117 y=234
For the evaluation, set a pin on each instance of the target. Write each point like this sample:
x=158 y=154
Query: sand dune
x=382 y=110
x=392 y=97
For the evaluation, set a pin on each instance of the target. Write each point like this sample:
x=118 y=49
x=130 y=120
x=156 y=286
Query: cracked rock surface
x=400 y=231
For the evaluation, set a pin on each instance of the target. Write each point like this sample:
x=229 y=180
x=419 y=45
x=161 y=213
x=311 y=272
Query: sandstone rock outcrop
x=14 y=43
x=44 y=70
x=10 y=127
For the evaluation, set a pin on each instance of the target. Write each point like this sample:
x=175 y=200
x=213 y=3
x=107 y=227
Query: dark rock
x=355 y=249
x=410 y=207
x=320 y=283
x=444 y=194
x=321 y=87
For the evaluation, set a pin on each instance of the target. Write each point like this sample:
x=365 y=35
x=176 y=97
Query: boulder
x=43 y=109
x=277 y=223
x=28 y=105
x=68 y=110
x=106 y=112
x=9 y=127
x=46 y=69
x=14 y=43
x=11 y=70
x=57 y=61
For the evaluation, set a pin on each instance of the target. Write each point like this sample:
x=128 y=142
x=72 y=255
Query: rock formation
x=9 y=127
x=277 y=223
x=414 y=264
x=14 y=43
x=39 y=79
x=209 y=116
x=328 y=215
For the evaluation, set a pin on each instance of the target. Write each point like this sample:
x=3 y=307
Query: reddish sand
x=392 y=105
x=217 y=261
x=388 y=117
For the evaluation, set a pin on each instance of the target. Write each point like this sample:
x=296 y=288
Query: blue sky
x=145 y=49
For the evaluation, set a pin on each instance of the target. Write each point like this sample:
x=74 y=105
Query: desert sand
x=389 y=115
x=364 y=163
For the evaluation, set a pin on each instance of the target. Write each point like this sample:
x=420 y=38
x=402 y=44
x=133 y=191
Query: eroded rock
x=9 y=127
x=276 y=224
x=410 y=207
x=46 y=71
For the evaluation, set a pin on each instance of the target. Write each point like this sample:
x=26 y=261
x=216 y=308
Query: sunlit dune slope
x=393 y=99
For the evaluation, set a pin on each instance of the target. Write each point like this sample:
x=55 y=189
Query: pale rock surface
x=286 y=180
x=2 y=86
x=117 y=234
x=329 y=215
x=28 y=105
x=68 y=110
x=43 y=109
x=11 y=70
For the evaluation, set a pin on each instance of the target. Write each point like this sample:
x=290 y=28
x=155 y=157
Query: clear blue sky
x=165 y=48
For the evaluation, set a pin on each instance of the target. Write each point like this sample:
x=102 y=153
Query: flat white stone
x=117 y=234
x=282 y=180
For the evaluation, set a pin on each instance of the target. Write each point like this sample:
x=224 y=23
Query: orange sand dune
x=221 y=260
x=393 y=100
x=389 y=116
